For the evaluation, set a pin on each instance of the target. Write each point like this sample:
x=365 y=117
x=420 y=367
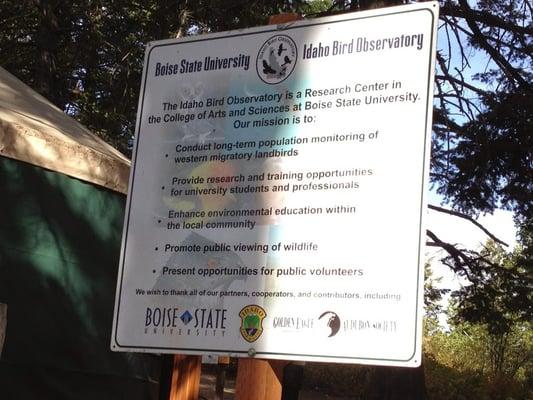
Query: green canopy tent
x=62 y=206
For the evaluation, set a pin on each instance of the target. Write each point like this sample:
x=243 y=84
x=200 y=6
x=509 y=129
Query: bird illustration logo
x=267 y=69
x=334 y=322
x=276 y=59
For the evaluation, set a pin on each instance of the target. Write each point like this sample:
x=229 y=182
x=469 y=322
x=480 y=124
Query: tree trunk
x=47 y=42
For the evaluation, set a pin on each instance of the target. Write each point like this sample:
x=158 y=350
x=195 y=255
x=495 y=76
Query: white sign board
x=277 y=192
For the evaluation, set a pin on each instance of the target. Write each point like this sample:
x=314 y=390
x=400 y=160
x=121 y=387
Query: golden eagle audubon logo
x=276 y=59
x=252 y=317
x=333 y=322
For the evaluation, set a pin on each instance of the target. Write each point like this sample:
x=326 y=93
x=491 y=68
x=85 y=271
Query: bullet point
x=166 y=155
x=158 y=221
x=162 y=188
x=153 y=271
x=157 y=248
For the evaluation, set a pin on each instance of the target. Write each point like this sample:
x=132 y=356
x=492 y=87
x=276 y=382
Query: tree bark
x=47 y=41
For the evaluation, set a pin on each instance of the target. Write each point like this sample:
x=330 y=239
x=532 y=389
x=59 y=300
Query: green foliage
x=432 y=294
x=315 y=7
x=495 y=149
x=445 y=383
x=499 y=294
x=488 y=352
x=470 y=363
x=432 y=300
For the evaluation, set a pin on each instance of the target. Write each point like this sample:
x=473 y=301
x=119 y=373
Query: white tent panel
x=35 y=131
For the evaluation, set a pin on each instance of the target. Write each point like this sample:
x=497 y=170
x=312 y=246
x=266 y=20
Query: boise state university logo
x=252 y=317
x=276 y=59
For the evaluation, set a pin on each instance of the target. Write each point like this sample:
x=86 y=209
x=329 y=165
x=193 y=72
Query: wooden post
x=185 y=384
x=259 y=379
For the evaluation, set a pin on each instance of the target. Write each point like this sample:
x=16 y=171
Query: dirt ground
x=208 y=383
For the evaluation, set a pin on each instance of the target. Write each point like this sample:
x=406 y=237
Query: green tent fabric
x=59 y=249
x=61 y=213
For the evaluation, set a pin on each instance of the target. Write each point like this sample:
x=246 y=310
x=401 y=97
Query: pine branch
x=481 y=40
x=449 y=9
x=468 y=218
x=460 y=258
x=450 y=78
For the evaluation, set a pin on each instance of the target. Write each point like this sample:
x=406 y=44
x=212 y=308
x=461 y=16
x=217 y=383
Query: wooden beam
x=185 y=383
x=284 y=18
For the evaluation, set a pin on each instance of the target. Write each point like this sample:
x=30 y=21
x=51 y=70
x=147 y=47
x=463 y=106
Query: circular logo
x=333 y=322
x=276 y=59
x=252 y=317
